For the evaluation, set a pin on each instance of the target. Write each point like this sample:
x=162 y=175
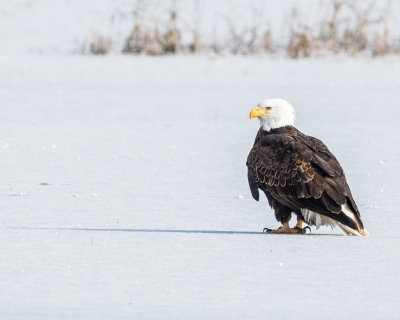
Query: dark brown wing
x=300 y=172
x=321 y=150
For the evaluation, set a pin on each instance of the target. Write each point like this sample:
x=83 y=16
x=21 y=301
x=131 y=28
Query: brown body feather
x=296 y=171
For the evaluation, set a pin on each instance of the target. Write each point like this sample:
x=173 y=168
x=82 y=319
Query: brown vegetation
x=349 y=27
x=100 y=44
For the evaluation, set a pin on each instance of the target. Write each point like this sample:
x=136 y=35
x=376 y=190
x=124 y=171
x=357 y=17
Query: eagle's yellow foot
x=285 y=229
x=299 y=227
x=303 y=230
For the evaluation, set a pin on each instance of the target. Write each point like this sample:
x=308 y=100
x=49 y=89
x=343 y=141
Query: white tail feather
x=316 y=219
x=347 y=211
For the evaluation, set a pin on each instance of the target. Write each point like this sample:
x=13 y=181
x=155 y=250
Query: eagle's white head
x=274 y=113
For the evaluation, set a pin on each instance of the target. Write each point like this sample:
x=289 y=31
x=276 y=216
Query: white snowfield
x=124 y=191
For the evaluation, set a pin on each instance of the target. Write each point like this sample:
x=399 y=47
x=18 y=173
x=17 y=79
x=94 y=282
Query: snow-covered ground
x=124 y=190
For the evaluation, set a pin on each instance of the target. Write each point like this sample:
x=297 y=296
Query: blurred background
x=290 y=28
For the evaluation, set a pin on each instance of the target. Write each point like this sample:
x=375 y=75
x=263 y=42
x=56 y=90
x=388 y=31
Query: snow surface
x=124 y=192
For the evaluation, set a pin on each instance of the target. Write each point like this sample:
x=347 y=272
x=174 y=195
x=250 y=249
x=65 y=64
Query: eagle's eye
x=268 y=108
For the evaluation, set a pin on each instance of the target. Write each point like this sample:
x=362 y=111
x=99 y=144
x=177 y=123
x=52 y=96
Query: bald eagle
x=298 y=174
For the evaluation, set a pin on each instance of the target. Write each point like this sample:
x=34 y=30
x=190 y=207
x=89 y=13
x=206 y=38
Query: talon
x=299 y=230
x=285 y=229
x=303 y=230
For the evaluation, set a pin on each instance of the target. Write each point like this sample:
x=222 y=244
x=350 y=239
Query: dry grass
x=349 y=27
x=100 y=44
x=156 y=40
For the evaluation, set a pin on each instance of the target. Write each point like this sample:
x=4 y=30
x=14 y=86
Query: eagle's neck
x=281 y=130
x=286 y=119
x=289 y=129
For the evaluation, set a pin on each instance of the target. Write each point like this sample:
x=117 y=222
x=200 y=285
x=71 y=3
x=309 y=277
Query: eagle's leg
x=299 y=226
x=284 y=229
x=283 y=215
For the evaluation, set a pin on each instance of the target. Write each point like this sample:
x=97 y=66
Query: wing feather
x=299 y=171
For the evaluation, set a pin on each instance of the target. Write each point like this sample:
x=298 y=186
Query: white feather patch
x=347 y=211
x=317 y=220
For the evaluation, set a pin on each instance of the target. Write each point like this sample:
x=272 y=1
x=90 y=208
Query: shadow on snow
x=158 y=230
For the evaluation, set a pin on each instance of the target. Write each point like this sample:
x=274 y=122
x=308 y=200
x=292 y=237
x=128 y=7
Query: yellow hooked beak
x=257 y=112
